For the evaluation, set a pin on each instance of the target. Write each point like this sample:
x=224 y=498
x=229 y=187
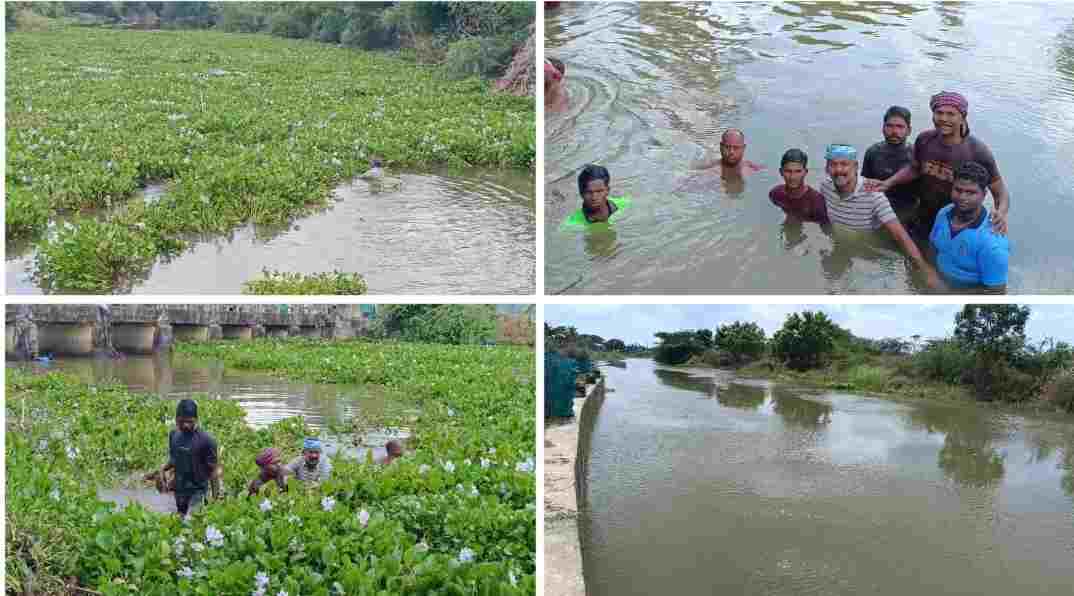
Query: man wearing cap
x=849 y=204
x=939 y=152
x=270 y=471
x=310 y=467
x=192 y=454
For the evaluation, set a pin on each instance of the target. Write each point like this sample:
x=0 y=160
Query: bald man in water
x=732 y=160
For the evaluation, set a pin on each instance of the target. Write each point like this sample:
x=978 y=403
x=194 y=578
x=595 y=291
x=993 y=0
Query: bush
x=28 y=20
x=868 y=378
x=438 y=323
x=330 y=27
x=368 y=34
x=1060 y=391
x=293 y=25
x=944 y=360
x=238 y=18
x=483 y=57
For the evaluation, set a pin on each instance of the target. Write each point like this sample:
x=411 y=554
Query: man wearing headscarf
x=556 y=98
x=939 y=152
x=311 y=467
x=271 y=470
x=850 y=205
x=192 y=454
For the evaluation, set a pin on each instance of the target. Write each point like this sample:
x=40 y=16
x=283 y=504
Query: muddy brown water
x=439 y=233
x=701 y=483
x=266 y=399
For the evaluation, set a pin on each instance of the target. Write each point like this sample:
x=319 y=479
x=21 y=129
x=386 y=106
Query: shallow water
x=702 y=484
x=437 y=234
x=653 y=85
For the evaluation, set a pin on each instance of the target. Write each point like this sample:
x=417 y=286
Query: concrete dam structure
x=89 y=329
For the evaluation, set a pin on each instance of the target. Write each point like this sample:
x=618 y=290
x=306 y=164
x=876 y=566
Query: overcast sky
x=636 y=323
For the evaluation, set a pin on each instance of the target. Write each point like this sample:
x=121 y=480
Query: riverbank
x=458 y=509
x=562 y=549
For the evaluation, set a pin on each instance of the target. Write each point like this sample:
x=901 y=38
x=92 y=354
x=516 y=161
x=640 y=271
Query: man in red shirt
x=797 y=199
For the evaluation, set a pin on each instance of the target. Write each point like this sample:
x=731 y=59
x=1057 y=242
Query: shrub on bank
x=283 y=283
x=1060 y=391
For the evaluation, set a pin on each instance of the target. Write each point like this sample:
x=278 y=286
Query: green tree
x=740 y=340
x=995 y=333
x=805 y=340
x=615 y=345
x=679 y=346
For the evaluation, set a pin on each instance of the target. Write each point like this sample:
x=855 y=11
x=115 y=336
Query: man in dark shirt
x=939 y=152
x=192 y=453
x=796 y=198
x=884 y=159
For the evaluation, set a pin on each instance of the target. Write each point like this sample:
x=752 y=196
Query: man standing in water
x=884 y=159
x=797 y=199
x=968 y=253
x=849 y=204
x=939 y=152
x=556 y=98
x=732 y=161
x=192 y=453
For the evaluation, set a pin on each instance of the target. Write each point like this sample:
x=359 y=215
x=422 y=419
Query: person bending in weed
x=393 y=450
x=271 y=470
x=192 y=454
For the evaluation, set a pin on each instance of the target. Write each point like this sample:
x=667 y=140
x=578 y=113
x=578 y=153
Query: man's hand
x=932 y=278
x=870 y=185
x=999 y=223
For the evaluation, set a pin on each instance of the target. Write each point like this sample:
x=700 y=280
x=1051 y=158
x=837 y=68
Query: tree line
x=468 y=38
x=988 y=352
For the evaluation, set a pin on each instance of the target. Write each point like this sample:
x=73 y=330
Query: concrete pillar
x=164 y=336
x=258 y=330
x=277 y=331
x=102 y=332
x=215 y=331
x=294 y=330
x=24 y=334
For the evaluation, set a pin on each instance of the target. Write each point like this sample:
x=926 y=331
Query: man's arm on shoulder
x=910 y=249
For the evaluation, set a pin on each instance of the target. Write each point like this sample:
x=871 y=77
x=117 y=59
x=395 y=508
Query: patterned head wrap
x=268 y=456
x=311 y=444
x=949 y=98
x=551 y=71
x=838 y=151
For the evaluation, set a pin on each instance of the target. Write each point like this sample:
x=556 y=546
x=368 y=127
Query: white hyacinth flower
x=423 y=468
x=449 y=467
x=466 y=555
x=328 y=503
x=363 y=517
x=186 y=572
x=261 y=579
x=485 y=463
x=266 y=505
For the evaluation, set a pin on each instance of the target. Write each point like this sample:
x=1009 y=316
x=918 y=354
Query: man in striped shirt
x=851 y=206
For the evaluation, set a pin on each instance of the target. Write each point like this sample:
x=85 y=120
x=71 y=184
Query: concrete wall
x=190 y=332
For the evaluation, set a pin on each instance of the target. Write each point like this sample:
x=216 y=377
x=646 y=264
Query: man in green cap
x=192 y=454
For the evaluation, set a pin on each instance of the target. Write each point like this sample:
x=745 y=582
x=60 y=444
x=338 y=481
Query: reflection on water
x=437 y=234
x=818 y=492
x=653 y=85
x=266 y=399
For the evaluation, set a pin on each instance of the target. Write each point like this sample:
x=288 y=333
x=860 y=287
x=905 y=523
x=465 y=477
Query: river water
x=438 y=233
x=703 y=484
x=653 y=85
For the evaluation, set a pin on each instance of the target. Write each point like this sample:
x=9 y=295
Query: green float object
x=576 y=221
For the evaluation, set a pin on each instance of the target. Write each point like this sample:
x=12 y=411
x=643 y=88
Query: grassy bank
x=455 y=516
x=240 y=128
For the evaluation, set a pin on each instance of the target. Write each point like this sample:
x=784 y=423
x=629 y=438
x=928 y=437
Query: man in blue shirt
x=969 y=254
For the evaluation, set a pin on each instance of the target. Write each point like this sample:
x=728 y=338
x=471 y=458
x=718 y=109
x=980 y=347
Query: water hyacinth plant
x=399 y=529
x=283 y=283
x=241 y=129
